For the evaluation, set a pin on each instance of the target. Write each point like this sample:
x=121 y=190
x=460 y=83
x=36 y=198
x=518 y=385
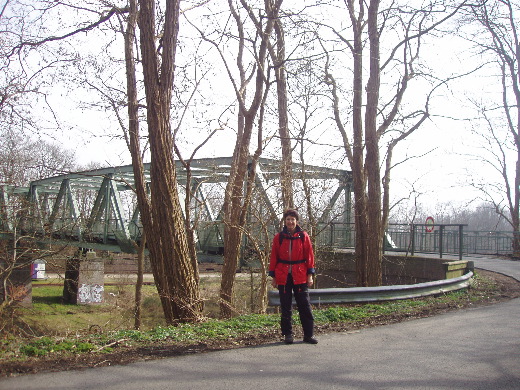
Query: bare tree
x=497 y=37
x=239 y=187
x=22 y=159
x=375 y=119
x=175 y=271
x=235 y=202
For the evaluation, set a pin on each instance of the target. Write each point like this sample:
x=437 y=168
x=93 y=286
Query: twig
x=111 y=344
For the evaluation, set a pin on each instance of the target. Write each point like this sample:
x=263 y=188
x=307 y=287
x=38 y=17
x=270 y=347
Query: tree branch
x=16 y=49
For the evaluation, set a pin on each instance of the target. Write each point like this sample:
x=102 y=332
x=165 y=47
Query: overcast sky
x=444 y=142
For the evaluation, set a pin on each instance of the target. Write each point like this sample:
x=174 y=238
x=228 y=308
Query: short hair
x=291 y=213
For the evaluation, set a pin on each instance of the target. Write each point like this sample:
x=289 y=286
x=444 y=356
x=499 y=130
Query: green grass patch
x=46 y=345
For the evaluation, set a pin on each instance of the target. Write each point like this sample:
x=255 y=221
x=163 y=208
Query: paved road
x=470 y=349
x=495 y=264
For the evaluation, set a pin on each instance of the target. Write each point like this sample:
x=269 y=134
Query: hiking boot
x=310 y=340
x=288 y=339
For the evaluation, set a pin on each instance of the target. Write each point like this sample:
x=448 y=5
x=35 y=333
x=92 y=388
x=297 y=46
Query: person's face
x=290 y=222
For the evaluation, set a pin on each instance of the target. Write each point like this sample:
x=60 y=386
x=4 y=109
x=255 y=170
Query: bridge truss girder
x=97 y=208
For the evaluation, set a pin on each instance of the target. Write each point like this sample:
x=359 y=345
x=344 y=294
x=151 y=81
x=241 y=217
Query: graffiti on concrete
x=90 y=293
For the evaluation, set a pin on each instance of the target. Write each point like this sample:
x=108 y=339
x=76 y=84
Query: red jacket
x=295 y=253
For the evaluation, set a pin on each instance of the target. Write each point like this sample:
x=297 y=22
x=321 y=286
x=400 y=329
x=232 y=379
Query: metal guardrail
x=382 y=293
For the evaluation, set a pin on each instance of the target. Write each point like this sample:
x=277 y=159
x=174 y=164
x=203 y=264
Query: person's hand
x=310 y=280
x=273 y=283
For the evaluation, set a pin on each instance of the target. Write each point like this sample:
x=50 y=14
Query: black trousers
x=301 y=295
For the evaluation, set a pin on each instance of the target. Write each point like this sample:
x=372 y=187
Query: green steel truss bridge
x=97 y=209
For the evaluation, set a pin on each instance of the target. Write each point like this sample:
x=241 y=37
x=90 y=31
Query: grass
x=63 y=330
x=48 y=315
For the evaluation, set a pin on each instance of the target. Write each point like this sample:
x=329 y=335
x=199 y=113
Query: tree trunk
x=358 y=170
x=139 y=283
x=283 y=117
x=234 y=219
x=262 y=290
x=374 y=238
x=363 y=155
x=174 y=272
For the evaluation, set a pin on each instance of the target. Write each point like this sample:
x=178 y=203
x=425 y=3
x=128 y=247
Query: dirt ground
x=508 y=289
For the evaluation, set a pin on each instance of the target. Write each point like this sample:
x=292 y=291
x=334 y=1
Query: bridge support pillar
x=84 y=279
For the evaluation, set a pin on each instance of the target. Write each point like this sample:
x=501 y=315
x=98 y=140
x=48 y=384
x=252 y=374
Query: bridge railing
x=443 y=239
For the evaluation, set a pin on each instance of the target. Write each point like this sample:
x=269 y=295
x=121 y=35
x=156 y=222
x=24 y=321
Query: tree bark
x=278 y=55
x=175 y=274
x=139 y=283
x=374 y=237
x=358 y=169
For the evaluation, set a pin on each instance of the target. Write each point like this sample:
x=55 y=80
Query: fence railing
x=441 y=239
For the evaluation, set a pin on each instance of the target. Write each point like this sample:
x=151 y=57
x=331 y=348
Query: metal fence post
x=461 y=241
x=441 y=240
x=412 y=239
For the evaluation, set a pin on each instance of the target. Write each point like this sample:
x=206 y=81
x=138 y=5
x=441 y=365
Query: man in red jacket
x=292 y=268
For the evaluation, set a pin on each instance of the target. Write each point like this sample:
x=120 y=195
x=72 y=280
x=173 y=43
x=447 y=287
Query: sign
x=430 y=224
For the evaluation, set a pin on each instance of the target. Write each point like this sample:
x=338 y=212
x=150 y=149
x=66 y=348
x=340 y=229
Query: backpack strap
x=281 y=237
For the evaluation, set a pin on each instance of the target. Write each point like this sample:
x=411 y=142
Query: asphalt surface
x=473 y=349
